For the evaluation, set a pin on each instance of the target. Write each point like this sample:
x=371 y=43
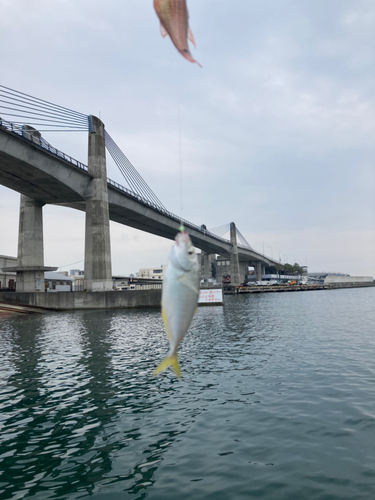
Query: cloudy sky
x=277 y=128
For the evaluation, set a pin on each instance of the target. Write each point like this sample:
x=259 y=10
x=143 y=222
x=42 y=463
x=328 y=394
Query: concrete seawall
x=230 y=290
x=65 y=301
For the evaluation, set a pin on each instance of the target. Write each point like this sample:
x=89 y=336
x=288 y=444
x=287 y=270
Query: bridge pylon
x=98 y=264
x=206 y=261
x=233 y=257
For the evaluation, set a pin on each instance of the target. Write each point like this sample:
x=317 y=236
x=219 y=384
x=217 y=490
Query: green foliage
x=289 y=268
x=279 y=268
x=297 y=269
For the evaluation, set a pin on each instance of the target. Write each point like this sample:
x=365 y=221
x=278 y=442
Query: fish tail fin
x=169 y=361
x=186 y=54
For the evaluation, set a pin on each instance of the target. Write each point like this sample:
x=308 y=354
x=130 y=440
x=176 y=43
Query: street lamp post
x=271 y=252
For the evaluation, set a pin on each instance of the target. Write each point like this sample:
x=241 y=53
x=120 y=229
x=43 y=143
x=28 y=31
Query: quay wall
x=65 y=301
x=342 y=280
x=230 y=290
x=358 y=284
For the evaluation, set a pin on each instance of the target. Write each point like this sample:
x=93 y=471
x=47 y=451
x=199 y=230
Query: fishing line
x=180 y=163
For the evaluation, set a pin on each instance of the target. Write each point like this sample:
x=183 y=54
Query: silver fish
x=179 y=296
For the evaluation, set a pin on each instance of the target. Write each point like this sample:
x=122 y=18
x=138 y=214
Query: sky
x=277 y=130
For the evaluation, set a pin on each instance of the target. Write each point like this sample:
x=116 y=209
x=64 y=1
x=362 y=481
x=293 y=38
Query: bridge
x=45 y=175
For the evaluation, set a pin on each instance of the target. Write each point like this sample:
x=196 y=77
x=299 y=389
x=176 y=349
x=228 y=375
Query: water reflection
x=82 y=415
x=21 y=412
x=87 y=404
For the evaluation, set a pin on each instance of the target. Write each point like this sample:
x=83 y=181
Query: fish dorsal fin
x=163 y=31
x=186 y=282
x=191 y=37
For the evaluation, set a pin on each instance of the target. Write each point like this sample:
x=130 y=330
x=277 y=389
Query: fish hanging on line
x=174 y=21
x=179 y=298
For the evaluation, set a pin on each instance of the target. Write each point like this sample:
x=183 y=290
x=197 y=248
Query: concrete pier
x=70 y=301
x=205 y=266
x=30 y=258
x=98 y=265
x=233 y=257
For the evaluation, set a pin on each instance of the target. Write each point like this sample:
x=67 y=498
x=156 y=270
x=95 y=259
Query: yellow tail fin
x=171 y=361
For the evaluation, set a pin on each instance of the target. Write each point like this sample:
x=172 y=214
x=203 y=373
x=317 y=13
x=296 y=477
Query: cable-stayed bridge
x=45 y=175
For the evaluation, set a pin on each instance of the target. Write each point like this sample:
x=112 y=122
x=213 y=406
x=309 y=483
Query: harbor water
x=276 y=401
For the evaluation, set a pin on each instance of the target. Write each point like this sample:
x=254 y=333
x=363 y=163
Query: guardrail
x=20 y=131
x=169 y=214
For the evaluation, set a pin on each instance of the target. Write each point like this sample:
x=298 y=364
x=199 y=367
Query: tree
x=279 y=268
x=288 y=268
x=297 y=269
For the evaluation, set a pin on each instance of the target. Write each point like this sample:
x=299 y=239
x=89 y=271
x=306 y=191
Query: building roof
x=7 y=257
x=52 y=275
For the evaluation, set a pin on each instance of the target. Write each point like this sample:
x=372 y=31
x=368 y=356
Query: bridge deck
x=33 y=167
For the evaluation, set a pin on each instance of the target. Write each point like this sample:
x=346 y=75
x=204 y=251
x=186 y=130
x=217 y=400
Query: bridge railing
x=171 y=215
x=40 y=141
x=19 y=130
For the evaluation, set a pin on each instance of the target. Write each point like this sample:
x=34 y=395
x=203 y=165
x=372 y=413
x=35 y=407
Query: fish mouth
x=182 y=237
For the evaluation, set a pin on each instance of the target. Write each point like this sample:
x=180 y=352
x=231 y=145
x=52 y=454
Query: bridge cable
x=132 y=182
x=124 y=171
x=140 y=181
x=220 y=230
x=242 y=239
x=40 y=102
x=137 y=182
x=40 y=113
x=45 y=112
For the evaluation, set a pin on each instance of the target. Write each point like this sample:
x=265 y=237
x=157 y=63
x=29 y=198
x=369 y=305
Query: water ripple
x=277 y=401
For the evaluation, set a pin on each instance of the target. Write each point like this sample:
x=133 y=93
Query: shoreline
x=237 y=290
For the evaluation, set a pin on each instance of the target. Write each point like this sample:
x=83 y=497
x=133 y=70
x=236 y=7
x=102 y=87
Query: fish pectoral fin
x=169 y=361
x=163 y=31
x=191 y=37
x=186 y=282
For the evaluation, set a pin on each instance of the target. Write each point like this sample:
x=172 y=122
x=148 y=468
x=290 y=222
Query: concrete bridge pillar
x=233 y=257
x=30 y=254
x=206 y=261
x=244 y=271
x=205 y=266
x=259 y=270
x=30 y=258
x=98 y=265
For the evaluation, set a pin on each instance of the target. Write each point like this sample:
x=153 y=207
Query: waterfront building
x=7 y=278
x=156 y=273
x=57 y=282
x=76 y=272
x=122 y=283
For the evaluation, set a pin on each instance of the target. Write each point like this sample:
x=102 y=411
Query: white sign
x=211 y=296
